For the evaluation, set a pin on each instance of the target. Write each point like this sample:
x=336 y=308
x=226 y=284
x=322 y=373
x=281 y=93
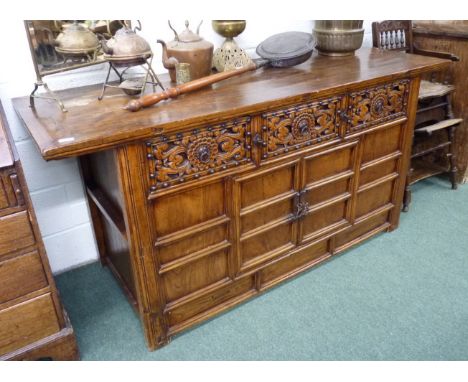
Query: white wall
x=56 y=187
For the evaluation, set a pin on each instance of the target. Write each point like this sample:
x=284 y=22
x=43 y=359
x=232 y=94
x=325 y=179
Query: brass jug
x=188 y=47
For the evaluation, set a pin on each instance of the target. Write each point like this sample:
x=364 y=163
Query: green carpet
x=400 y=296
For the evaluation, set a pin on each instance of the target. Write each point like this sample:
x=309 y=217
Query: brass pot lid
x=286 y=45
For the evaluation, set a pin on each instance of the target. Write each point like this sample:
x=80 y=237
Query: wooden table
x=205 y=201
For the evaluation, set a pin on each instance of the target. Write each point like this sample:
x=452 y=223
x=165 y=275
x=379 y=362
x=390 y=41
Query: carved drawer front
x=372 y=106
x=299 y=126
x=198 y=153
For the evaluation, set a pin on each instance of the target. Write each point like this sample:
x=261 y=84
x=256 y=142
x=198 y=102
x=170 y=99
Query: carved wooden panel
x=196 y=153
x=376 y=105
x=299 y=126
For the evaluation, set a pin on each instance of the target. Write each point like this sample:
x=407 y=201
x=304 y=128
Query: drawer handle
x=17 y=189
x=257 y=140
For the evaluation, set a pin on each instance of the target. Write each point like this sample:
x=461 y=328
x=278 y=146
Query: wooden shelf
x=423 y=170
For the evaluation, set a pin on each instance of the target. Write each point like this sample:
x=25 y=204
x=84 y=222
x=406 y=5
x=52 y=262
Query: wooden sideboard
x=205 y=201
x=33 y=324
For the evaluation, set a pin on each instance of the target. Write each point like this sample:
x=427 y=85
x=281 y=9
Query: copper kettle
x=188 y=47
x=126 y=44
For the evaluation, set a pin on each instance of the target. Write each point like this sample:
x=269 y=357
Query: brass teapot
x=126 y=44
x=188 y=47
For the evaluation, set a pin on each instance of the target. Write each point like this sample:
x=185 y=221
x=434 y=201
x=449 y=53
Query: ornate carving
x=296 y=127
x=376 y=105
x=192 y=154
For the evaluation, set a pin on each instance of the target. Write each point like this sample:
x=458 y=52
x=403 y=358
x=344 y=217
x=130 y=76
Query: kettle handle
x=175 y=33
x=138 y=28
x=198 y=28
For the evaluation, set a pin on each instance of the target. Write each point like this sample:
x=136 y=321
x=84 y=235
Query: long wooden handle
x=174 y=92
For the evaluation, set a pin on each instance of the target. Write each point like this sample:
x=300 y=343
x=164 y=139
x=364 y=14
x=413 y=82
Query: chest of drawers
x=33 y=324
x=206 y=201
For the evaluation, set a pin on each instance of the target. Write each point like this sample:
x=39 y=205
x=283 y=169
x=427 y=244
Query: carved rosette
x=192 y=154
x=297 y=127
x=377 y=105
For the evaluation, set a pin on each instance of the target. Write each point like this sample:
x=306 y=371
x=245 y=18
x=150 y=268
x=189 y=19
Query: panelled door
x=265 y=211
x=326 y=191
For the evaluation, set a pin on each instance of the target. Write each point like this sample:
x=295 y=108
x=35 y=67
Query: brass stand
x=127 y=64
x=52 y=95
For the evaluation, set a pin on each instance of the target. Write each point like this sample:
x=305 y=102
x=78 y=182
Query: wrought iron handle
x=301 y=207
x=257 y=140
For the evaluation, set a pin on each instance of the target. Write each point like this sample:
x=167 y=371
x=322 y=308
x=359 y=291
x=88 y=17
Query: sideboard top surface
x=91 y=125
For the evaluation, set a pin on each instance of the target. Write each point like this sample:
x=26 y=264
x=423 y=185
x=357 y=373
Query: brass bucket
x=338 y=37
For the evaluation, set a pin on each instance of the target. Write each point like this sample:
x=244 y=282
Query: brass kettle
x=75 y=38
x=188 y=47
x=126 y=44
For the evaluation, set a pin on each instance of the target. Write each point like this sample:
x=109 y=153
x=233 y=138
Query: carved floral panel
x=300 y=126
x=377 y=105
x=200 y=152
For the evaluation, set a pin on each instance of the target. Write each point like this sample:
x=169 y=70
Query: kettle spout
x=168 y=62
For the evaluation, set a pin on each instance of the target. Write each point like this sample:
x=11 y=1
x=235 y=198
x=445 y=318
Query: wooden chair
x=434 y=108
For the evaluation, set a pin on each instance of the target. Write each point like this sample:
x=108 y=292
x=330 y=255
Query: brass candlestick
x=230 y=55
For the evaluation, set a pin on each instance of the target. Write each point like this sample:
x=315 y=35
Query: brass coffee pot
x=188 y=47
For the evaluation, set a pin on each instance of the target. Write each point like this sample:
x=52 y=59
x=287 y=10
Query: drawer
x=10 y=190
x=25 y=323
x=296 y=127
x=21 y=275
x=15 y=232
x=376 y=105
x=198 y=153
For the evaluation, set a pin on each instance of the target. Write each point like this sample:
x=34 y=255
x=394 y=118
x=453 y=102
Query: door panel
x=328 y=183
x=264 y=215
